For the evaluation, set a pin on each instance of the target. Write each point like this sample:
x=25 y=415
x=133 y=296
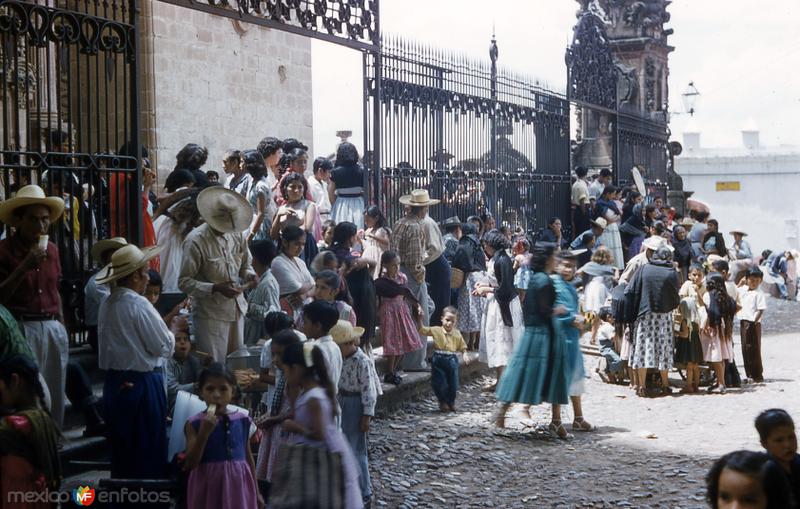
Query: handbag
x=307 y=477
x=456 y=278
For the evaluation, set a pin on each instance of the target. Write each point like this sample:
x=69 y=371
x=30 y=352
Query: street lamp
x=689 y=98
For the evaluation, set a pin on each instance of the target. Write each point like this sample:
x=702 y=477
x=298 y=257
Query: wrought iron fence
x=480 y=139
x=70 y=123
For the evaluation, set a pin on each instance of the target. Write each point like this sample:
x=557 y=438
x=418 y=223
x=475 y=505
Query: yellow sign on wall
x=728 y=186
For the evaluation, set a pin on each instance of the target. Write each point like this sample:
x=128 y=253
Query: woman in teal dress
x=568 y=326
x=538 y=371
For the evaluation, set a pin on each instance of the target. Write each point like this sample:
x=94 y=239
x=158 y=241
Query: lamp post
x=689 y=98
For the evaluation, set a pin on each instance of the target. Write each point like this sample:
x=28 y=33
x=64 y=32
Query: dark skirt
x=689 y=349
x=362 y=290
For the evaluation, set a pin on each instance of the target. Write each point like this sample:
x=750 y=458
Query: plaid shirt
x=408 y=241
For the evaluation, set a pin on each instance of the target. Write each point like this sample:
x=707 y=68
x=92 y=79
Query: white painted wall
x=766 y=206
x=224 y=89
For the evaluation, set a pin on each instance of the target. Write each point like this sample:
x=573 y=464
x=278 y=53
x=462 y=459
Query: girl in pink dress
x=398 y=327
x=218 y=457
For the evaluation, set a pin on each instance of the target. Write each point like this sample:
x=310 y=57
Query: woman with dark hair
x=716 y=327
x=265 y=298
x=376 y=237
x=606 y=208
x=471 y=260
x=683 y=250
x=257 y=193
x=192 y=157
x=538 y=370
x=478 y=224
x=748 y=479
x=553 y=235
x=502 y=323
x=633 y=232
x=357 y=272
x=297 y=210
x=488 y=222
x=631 y=200
x=178 y=179
x=237 y=178
x=294 y=280
x=698 y=231
x=650 y=299
x=346 y=190
x=713 y=240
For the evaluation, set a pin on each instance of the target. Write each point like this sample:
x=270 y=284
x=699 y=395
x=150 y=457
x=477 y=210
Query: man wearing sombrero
x=134 y=344
x=216 y=270
x=30 y=271
x=740 y=253
x=408 y=241
x=93 y=294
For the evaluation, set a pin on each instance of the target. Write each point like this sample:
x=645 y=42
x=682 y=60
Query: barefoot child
x=776 y=430
x=605 y=336
x=447 y=344
x=398 y=331
x=357 y=398
x=688 y=348
x=28 y=435
x=218 y=457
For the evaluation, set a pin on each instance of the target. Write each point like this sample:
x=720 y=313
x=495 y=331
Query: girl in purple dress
x=314 y=422
x=218 y=458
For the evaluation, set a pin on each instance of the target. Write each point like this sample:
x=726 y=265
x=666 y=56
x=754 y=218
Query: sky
x=742 y=56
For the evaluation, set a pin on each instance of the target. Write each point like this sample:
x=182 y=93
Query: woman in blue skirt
x=538 y=371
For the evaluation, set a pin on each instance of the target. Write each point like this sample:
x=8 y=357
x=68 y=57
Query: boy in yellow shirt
x=448 y=342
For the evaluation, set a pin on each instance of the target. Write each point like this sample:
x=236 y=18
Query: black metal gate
x=70 y=121
x=478 y=139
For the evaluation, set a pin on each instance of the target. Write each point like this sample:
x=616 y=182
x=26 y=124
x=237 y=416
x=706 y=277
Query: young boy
x=319 y=319
x=605 y=336
x=753 y=304
x=357 y=397
x=448 y=342
x=776 y=430
x=327 y=285
x=183 y=369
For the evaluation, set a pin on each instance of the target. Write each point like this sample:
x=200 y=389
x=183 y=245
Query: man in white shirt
x=94 y=294
x=600 y=182
x=318 y=185
x=133 y=346
x=216 y=270
x=753 y=304
x=580 y=202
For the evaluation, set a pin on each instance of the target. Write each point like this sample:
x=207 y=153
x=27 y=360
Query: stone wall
x=223 y=85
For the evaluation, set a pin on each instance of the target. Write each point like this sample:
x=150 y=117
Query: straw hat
x=344 y=332
x=654 y=242
x=451 y=221
x=105 y=245
x=224 y=210
x=418 y=198
x=30 y=195
x=125 y=261
x=600 y=222
x=740 y=232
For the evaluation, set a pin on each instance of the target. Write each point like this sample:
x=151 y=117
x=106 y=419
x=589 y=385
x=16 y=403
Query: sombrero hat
x=740 y=232
x=30 y=195
x=451 y=221
x=105 y=245
x=418 y=198
x=600 y=222
x=344 y=332
x=125 y=261
x=655 y=242
x=224 y=210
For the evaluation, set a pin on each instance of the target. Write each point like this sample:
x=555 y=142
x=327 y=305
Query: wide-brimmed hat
x=30 y=195
x=224 y=210
x=654 y=242
x=125 y=261
x=418 y=198
x=106 y=245
x=740 y=232
x=451 y=221
x=688 y=222
x=344 y=332
x=600 y=222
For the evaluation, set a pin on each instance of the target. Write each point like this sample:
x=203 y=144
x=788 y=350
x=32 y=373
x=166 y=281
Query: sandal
x=581 y=424
x=557 y=430
x=641 y=392
x=500 y=419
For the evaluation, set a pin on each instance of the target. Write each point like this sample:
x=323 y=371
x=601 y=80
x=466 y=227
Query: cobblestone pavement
x=646 y=452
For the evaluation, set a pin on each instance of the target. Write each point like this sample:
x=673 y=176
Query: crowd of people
x=292 y=264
